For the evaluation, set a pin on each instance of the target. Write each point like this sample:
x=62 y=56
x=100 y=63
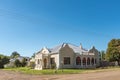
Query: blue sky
x=28 y=25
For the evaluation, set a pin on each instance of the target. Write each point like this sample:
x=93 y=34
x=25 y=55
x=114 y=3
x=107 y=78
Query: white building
x=67 y=56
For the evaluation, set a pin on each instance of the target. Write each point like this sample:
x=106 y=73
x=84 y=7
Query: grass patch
x=27 y=70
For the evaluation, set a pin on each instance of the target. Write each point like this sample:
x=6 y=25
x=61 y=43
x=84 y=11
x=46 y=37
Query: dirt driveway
x=107 y=75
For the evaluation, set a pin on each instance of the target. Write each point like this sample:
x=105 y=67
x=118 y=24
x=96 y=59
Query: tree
x=3 y=60
x=33 y=56
x=15 y=54
x=102 y=53
x=17 y=63
x=24 y=63
x=113 y=50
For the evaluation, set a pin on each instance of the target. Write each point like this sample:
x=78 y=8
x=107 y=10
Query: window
x=84 y=61
x=88 y=61
x=38 y=62
x=26 y=60
x=66 y=60
x=95 y=61
x=92 y=61
x=78 y=61
x=52 y=60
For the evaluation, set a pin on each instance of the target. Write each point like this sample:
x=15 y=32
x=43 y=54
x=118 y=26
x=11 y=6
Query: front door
x=45 y=63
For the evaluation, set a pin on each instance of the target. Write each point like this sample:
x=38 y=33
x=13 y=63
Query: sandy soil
x=106 y=75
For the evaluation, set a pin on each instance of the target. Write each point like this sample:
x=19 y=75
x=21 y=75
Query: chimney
x=80 y=46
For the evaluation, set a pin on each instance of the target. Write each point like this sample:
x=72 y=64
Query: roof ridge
x=73 y=44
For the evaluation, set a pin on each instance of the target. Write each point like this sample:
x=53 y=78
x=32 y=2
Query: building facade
x=67 y=56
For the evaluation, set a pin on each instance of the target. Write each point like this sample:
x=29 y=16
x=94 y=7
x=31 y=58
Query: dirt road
x=108 y=75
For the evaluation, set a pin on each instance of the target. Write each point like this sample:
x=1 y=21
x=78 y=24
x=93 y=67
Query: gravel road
x=105 y=75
